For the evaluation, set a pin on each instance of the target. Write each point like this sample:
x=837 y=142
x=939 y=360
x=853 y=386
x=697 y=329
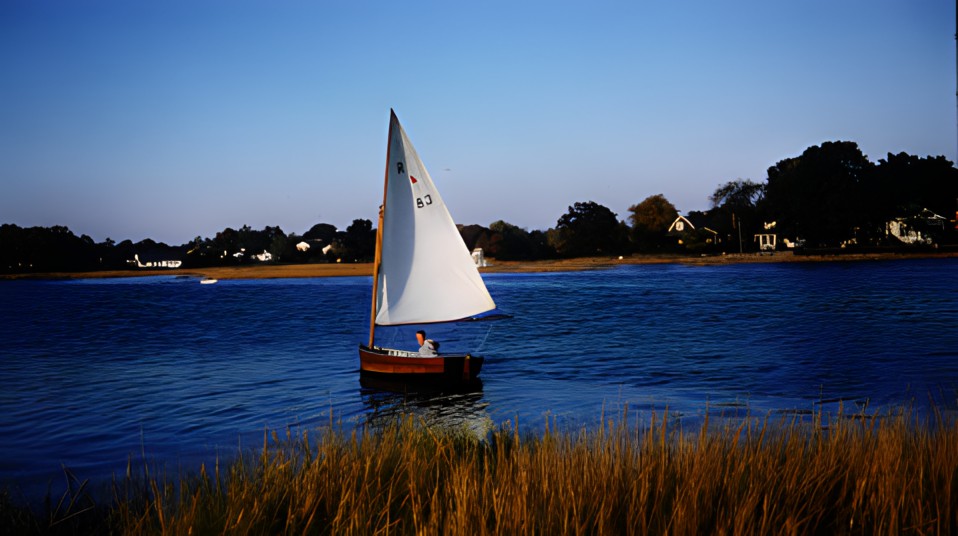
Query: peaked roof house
x=685 y=231
x=681 y=225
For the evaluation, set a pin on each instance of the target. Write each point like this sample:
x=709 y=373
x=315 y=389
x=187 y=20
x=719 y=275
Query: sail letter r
x=399 y=168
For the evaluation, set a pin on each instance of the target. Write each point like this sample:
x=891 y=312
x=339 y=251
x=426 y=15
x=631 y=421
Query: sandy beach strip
x=281 y=271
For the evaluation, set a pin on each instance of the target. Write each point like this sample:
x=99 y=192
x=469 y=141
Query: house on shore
x=685 y=232
x=307 y=245
x=155 y=260
x=767 y=241
x=261 y=257
x=917 y=229
x=680 y=226
x=479 y=257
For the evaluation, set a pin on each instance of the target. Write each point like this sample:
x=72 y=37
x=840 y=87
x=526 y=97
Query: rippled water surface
x=96 y=372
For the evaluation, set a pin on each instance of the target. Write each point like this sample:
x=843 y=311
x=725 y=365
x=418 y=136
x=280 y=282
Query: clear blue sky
x=172 y=119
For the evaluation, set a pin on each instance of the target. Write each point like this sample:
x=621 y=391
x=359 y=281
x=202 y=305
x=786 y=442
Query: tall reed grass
x=848 y=476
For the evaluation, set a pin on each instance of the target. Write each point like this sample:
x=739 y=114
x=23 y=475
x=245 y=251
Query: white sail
x=426 y=273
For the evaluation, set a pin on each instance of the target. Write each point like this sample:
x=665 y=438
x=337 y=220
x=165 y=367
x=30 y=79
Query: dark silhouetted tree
x=738 y=195
x=46 y=249
x=323 y=232
x=473 y=234
x=509 y=242
x=818 y=195
x=902 y=185
x=650 y=221
x=358 y=242
x=735 y=212
x=589 y=229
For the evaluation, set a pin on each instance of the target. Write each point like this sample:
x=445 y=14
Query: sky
x=175 y=119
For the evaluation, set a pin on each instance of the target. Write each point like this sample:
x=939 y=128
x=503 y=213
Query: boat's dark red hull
x=452 y=368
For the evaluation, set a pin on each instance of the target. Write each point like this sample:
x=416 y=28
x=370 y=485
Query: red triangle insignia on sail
x=413 y=179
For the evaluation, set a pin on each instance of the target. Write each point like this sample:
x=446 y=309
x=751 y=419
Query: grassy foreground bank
x=854 y=476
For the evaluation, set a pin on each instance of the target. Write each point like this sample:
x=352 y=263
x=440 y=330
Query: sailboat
x=422 y=273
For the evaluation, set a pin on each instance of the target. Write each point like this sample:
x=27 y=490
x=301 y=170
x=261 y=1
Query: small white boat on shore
x=208 y=281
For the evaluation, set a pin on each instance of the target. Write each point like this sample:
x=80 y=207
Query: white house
x=681 y=225
x=156 y=263
x=479 y=258
x=766 y=241
x=306 y=245
x=908 y=230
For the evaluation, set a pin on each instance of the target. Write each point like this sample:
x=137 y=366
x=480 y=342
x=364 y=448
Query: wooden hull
x=446 y=368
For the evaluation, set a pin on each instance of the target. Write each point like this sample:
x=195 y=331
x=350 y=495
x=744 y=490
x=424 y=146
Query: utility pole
x=738 y=225
x=740 y=250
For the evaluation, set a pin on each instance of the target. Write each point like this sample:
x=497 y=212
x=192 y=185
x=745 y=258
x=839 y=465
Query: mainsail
x=426 y=273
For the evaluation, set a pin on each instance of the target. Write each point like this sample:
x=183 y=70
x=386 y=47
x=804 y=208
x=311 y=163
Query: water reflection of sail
x=461 y=409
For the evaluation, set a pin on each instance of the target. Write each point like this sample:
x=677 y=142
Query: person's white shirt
x=428 y=347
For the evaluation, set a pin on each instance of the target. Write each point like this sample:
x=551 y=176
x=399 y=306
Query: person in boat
x=427 y=347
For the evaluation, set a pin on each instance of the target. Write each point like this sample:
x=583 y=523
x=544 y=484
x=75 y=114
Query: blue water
x=98 y=372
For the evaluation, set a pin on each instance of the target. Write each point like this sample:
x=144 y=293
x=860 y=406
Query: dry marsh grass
x=854 y=476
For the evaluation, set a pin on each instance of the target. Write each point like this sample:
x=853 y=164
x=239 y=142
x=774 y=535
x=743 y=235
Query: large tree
x=589 y=229
x=323 y=232
x=818 y=195
x=473 y=234
x=41 y=249
x=650 y=220
x=905 y=184
x=509 y=242
x=738 y=195
x=359 y=241
x=735 y=213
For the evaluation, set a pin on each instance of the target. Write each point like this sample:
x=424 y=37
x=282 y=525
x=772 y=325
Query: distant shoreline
x=285 y=271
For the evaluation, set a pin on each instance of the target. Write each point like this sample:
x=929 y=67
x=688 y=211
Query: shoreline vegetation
x=845 y=474
x=830 y=200
x=280 y=271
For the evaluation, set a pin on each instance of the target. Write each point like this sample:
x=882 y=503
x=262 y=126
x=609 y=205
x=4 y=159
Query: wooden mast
x=377 y=260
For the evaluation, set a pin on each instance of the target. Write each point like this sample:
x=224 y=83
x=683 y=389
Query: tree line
x=831 y=196
x=57 y=249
